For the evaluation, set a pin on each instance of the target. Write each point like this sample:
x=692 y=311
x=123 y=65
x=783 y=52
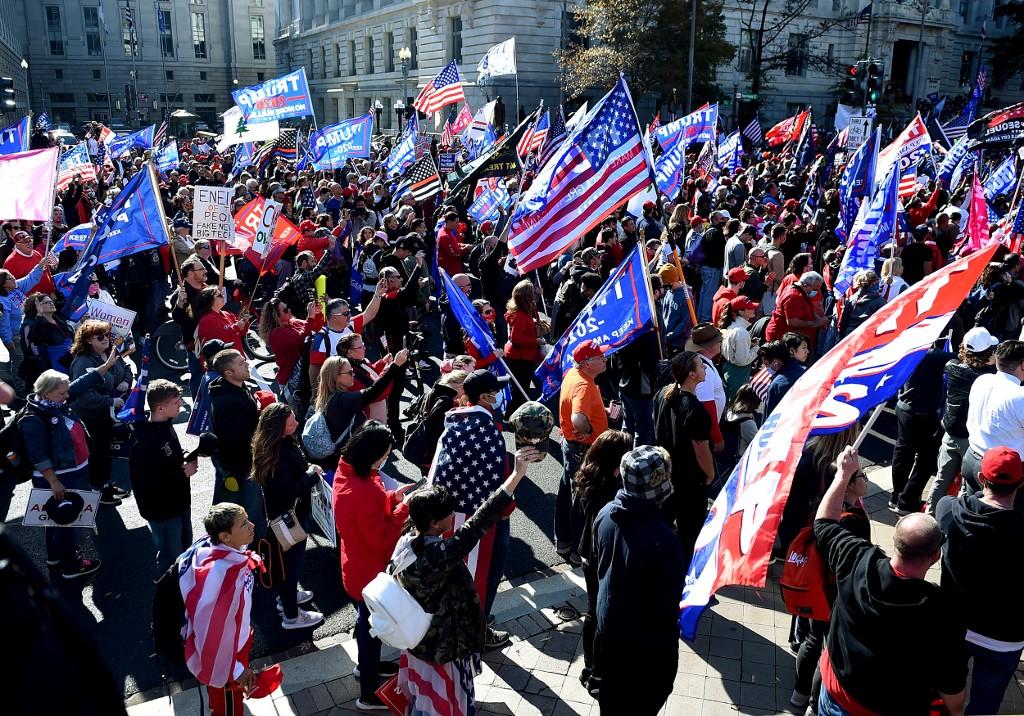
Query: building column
x=333 y=10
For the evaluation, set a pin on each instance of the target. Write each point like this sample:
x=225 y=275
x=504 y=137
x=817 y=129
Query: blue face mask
x=812 y=293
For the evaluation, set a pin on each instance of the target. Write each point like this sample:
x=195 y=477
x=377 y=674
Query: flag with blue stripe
x=875 y=225
x=143 y=139
x=953 y=159
x=1002 y=179
x=856 y=182
x=332 y=146
x=15 y=138
x=244 y=157
x=403 y=155
x=134 y=409
x=477 y=332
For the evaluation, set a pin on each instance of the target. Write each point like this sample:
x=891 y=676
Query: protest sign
x=211 y=214
x=120 y=319
x=36 y=516
x=265 y=231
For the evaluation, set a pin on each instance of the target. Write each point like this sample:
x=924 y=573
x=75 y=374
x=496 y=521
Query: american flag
x=443 y=90
x=284 y=145
x=75 y=163
x=761 y=382
x=706 y=159
x=160 y=135
x=864 y=16
x=598 y=168
x=753 y=131
x=957 y=127
x=556 y=136
x=534 y=137
x=471 y=464
x=447 y=134
x=106 y=134
x=422 y=181
x=1016 y=236
x=908 y=183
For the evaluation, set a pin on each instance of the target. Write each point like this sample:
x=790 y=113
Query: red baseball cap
x=307 y=225
x=738 y=274
x=742 y=303
x=1002 y=466
x=267 y=682
x=588 y=349
x=486 y=227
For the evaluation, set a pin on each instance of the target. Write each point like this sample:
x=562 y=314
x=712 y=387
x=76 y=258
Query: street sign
x=860 y=128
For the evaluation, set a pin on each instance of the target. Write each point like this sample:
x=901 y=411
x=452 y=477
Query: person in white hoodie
x=738 y=348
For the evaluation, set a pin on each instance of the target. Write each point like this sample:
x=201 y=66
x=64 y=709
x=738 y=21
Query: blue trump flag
x=199 y=420
x=1002 y=179
x=355 y=282
x=167 y=158
x=279 y=98
x=134 y=409
x=75 y=238
x=331 y=146
x=14 y=139
x=617 y=314
x=471 y=322
x=134 y=222
x=875 y=226
x=244 y=154
x=143 y=139
x=487 y=206
x=954 y=158
x=699 y=126
x=856 y=182
x=404 y=153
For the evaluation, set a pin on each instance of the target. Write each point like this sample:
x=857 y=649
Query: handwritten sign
x=120 y=319
x=211 y=214
x=265 y=231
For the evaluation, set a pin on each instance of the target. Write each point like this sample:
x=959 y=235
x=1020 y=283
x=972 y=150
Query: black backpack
x=14 y=460
x=169 y=617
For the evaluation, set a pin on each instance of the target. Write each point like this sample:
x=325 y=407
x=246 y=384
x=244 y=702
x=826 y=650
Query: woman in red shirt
x=214 y=322
x=286 y=337
x=489 y=315
x=525 y=328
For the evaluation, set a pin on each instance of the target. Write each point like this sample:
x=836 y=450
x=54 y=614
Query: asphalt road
x=115 y=603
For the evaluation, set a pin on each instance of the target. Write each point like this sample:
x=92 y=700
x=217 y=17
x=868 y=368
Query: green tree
x=649 y=41
x=1007 y=59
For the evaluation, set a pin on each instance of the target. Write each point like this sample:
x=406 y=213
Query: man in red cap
x=311 y=241
x=583 y=417
x=24 y=258
x=983 y=534
x=736 y=279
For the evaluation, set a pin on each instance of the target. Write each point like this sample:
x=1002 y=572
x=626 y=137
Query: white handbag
x=396 y=618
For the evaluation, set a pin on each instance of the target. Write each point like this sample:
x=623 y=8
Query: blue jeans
x=711 y=279
x=568 y=520
x=62 y=542
x=499 y=556
x=249 y=495
x=369 y=653
x=828 y=707
x=989 y=678
x=638 y=415
x=171 y=538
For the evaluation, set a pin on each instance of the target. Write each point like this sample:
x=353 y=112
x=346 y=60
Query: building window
x=206 y=98
x=337 y=60
x=199 y=35
x=796 y=56
x=255 y=3
x=323 y=62
x=309 y=64
x=96 y=98
x=202 y=75
x=58 y=74
x=166 y=99
x=966 y=65
x=456 y=38
x=53 y=30
x=350 y=108
x=97 y=75
x=389 y=52
x=747 y=49
x=369 y=56
x=259 y=76
x=62 y=98
x=414 y=61
x=91 y=20
x=259 y=39
x=351 y=58
x=166 y=33
x=169 y=74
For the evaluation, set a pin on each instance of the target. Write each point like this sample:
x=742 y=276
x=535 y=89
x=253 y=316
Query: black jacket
x=859 y=308
x=922 y=393
x=233 y=415
x=883 y=625
x=290 y=484
x=977 y=565
x=959 y=379
x=156 y=468
x=635 y=367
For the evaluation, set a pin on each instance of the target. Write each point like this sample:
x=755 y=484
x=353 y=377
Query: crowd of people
x=745 y=300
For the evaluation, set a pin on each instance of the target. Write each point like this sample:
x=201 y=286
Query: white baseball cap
x=978 y=339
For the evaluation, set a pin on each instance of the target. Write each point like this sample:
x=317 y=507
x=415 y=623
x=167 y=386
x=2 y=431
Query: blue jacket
x=13 y=304
x=46 y=435
x=676 y=317
x=789 y=373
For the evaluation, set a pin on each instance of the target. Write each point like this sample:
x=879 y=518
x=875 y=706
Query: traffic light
x=850 y=86
x=7 y=90
x=873 y=83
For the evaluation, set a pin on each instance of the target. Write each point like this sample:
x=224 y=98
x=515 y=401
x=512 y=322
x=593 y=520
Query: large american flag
x=556 y=136
x=957 y=127
x=599 y=167
x=75 y=163
x=443 y=90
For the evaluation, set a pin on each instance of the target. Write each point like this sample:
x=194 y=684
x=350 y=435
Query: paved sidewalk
x=739 y=663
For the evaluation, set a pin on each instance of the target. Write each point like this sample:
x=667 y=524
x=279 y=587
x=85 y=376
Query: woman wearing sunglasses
x=487 y=312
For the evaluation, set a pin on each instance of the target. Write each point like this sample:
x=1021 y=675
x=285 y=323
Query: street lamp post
x=378 y=110
x=399 y=110
x=404 y=55
x=28 y=84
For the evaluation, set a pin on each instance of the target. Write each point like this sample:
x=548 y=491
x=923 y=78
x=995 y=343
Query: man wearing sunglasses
x=339 y=322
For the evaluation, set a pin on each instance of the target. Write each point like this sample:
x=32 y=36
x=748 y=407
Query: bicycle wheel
x=255 y=348
x=170 y=351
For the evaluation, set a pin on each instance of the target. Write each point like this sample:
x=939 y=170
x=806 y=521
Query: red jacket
x=723 y=295
x=21 y=266
x=220 y=324
x=288 y=341
x=449 y=251
x=522 y=337
x=474 y=353
x=919 y=215
x=793 y=303
x=369 y=520
x=316 y=244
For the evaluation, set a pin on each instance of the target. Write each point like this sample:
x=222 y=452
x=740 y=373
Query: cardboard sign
x=35 y=515
x=211 y=214
x=323 y=510
x=446 y=162
x=120 y=319
x=265 y=231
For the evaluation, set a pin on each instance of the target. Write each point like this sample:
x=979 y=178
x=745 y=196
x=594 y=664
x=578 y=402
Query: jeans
x=590 y=619
x=711 y=279
x=499 y=558
x=568 y=518
x=369 y=653
x=914 y=457
x=990 y=675
x=288 y=589
x=807 y=657
x=243 y=491
x=969 y=468
x=62 y=542
x=828 y=707
x=638 y=415
x=170 y=538
x=951 y=456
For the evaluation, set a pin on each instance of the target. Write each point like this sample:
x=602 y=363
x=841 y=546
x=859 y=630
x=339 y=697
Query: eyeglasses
x=47 y=302
x=341 y=313
x=358 y=348
x=346 y=372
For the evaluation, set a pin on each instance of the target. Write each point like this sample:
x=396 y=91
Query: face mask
x=812 y=293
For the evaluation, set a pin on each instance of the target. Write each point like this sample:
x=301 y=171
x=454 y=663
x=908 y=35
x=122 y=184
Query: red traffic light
x=852 y=70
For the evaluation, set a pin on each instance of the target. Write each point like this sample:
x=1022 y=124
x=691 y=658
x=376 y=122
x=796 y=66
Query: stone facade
x=192 y=64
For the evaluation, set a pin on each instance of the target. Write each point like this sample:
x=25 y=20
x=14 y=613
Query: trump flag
x=865 y=369
x=279 y=98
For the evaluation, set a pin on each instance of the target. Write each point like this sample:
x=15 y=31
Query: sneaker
x=799 y=700
x=495 y=639
x=107 y=497
x=52 y=562
x=303 y=597
x=424 y=364
x=371 y=703
x=119 y=493
x=594 y=686
x=84 y=568
x=893 y=507
x=572 y=558
x=385 y=670
x=305 y=620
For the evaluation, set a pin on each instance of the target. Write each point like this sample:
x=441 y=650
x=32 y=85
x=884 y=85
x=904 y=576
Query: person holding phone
x=161 y=474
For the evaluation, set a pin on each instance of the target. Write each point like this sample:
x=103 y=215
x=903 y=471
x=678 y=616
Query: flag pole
x=151 y=168
x=686 y=288
x=512 y=377
x=515 y=58
x=653 y=307
x=868 y=425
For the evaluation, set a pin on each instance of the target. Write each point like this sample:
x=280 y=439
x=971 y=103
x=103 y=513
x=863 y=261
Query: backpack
x=396 y=618
x=807 y=584
x=316 y=437
x=694 y=249
x=14 y=460
x=169 y=617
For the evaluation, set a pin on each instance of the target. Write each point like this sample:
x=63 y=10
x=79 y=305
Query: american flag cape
x=470 y=463
x=438 y=689
x=866 y=368
x=600 y=166
x=216 y=584
x=443 y=90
